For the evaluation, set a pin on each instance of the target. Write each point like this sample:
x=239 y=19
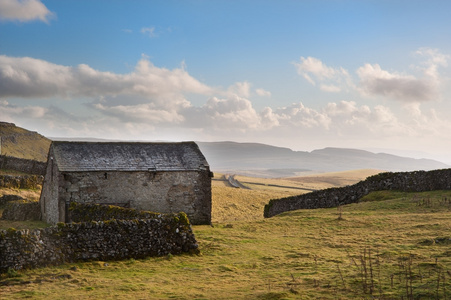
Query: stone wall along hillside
x=418 y=181
x=23 y=165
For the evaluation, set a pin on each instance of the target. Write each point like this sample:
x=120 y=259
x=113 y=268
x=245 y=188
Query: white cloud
x=232 y=113
x=348 y=116
x=142 y=113
x=263 y=93
x=316 y=67
x=148 y=95
x=343 y=123
x=314 y=71
x=24 y=11
x=330 y=88
x=241 y=89
x=434 y=60
x=32 y=78
x=150 y=102
x=301 y=117
x=269 y=118
x=375 y=81
x=149 y=31
x=9 y=111
x=338 y=120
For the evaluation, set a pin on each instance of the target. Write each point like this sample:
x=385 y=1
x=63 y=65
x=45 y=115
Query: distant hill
x=253 y=159
x=250 y=159
x=19 y=142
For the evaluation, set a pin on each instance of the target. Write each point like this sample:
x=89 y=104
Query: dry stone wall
x=22 y=210
x=28 y=166
x=103 y=240
x=7 y=198
x=418 y=181
x=21 y=181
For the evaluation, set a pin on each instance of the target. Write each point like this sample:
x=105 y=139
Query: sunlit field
x=389 y=246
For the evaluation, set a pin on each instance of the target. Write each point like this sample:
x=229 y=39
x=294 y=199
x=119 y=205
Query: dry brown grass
x=232 y=204
x=26 y=194
x=335 y=179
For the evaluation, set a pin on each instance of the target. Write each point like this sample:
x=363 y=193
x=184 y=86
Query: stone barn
x=159 y=177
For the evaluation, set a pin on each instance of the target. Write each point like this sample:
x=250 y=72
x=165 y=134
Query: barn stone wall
x=165 y=192
x=418 y=181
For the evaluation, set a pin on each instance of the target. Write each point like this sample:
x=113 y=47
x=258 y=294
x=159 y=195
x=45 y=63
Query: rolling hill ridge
x=250 y=159
x=255 y=159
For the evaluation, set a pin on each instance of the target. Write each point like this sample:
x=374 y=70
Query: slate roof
x=127 y=156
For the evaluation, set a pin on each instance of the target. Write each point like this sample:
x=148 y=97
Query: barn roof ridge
x=82 y=156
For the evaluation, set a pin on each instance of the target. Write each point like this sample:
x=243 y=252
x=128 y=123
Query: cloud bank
x=373 y=81
x=151 y=102
x=24 y=11
x=30 y=78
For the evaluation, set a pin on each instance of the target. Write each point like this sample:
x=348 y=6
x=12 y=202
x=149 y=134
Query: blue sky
x=298 y=74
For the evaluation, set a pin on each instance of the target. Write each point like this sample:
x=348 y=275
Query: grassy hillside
x=390 y=246
x=19 y=142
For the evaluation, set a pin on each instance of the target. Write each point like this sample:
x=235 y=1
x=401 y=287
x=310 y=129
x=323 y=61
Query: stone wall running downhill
x=157 y=235
x=417 y=181
x=28 y=166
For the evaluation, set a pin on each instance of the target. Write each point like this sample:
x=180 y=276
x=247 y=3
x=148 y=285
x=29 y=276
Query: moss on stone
x=11 y=230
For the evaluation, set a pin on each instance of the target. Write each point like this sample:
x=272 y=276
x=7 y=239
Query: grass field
x=231 y=204
x=389 y=246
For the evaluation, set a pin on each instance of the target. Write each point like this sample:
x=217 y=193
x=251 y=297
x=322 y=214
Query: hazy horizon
x=402 y=153
x=303 y=75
